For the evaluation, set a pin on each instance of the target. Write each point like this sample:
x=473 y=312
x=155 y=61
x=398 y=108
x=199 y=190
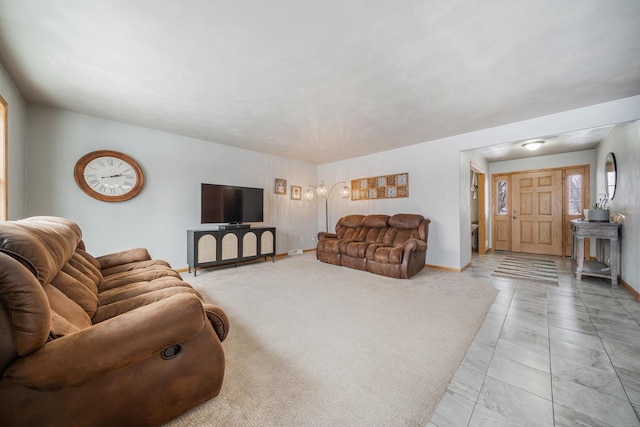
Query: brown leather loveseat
x=114 y=340
x=394 y=246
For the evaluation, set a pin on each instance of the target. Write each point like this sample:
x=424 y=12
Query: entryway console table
x=601 y=231
x=208 y=248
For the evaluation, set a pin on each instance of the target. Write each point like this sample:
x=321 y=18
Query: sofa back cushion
x=53 y=249
x=377 y=221
x=348 y=227
x=405 y=221
x=404 y=227
x=45 y=243
x=78 y=290
x=66 y=308
x=25 y=317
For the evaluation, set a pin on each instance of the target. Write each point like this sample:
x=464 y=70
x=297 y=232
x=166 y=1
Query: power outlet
x=313 y=238
x=302 y=238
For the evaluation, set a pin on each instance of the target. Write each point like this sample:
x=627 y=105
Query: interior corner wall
x=169 y=204
x=438 y=177
x=16 y=146
x=466 y=158
x=624 y=142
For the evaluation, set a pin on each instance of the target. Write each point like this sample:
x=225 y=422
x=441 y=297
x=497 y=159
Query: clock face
x=109 y=176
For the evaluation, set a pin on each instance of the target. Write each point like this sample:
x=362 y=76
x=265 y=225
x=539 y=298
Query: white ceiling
x=321 y=80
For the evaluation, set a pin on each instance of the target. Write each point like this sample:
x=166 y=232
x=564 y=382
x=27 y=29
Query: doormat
x=534 y=269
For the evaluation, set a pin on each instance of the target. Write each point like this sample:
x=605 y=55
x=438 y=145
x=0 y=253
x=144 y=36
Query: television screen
x=230 y=204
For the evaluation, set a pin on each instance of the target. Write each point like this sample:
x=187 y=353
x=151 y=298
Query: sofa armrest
x=116 y=343
x=413 y=245
x=123 y=257
x=218 y=319
x=325 y=235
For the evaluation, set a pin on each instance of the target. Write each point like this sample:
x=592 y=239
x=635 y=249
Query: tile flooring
x=563 y=355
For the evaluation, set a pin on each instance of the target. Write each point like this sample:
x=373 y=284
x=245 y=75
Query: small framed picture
x=296 y=192
x=281 y=186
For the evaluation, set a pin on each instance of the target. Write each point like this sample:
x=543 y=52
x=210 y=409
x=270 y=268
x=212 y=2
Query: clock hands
x=113 y=176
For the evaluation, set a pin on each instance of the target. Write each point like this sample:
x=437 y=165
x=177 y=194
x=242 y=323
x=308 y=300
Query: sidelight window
x=575 y=195
x=501 y=191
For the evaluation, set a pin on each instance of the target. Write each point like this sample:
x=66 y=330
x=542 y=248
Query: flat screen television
x=230 y=204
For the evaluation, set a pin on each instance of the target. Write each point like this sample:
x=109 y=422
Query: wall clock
x=109 y=176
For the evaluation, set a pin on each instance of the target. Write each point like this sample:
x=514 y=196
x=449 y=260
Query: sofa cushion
x=77 y=291
x=92 y=277
x=138 y=265
x=61 y=326
x=26 y=305
x=346 y=226
x=47 y=242
x=407 y=221
x=133 y=276
x=388 y=254
x=138 y=288
x=403 y=235
x=356 y=249
x=352 y=221
x=331 y=246
x=119 y=307
x=377 y=221
x=66 y=308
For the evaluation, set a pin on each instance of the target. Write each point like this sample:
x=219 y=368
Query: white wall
x=438 y=176
x=16 y=148
x=169 y=203
x=624 y=142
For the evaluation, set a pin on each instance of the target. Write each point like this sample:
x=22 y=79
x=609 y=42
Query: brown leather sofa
x=114 y=340
x=394 y=246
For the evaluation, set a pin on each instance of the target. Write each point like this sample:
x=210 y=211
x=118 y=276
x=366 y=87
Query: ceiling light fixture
x=533 y=145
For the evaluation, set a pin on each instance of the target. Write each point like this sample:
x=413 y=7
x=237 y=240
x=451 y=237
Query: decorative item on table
x=296 y=192
x=618 y=218
x=599 y=212
x=281 y=186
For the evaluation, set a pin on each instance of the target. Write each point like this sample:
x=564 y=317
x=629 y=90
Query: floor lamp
x=322 y=192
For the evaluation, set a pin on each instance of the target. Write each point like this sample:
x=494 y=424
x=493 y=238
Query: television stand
x=209 y=248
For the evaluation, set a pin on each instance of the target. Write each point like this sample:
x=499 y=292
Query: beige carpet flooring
x=312 y=344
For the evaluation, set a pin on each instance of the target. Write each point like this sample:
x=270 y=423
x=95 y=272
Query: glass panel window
x=502 y=198
x=575 y=194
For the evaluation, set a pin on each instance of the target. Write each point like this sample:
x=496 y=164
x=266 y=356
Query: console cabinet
x=208 y=248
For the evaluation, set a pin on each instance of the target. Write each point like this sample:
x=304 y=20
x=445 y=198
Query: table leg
x=580 y=257
x=615 y=251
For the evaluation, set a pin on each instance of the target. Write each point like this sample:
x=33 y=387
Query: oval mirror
x=610 y=173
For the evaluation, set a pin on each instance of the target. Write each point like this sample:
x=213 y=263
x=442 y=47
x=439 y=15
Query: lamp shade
x=322 y=189
x=345 y=192
x=308 y=194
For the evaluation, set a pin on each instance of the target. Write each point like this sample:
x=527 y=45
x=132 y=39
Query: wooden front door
x=537 y=212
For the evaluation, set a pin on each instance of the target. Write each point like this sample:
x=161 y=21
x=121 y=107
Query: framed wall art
x=296 y=192
x=281 y=186
x=380 y=187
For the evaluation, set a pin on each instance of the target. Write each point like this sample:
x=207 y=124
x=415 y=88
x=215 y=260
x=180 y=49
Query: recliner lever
x=171 y=351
